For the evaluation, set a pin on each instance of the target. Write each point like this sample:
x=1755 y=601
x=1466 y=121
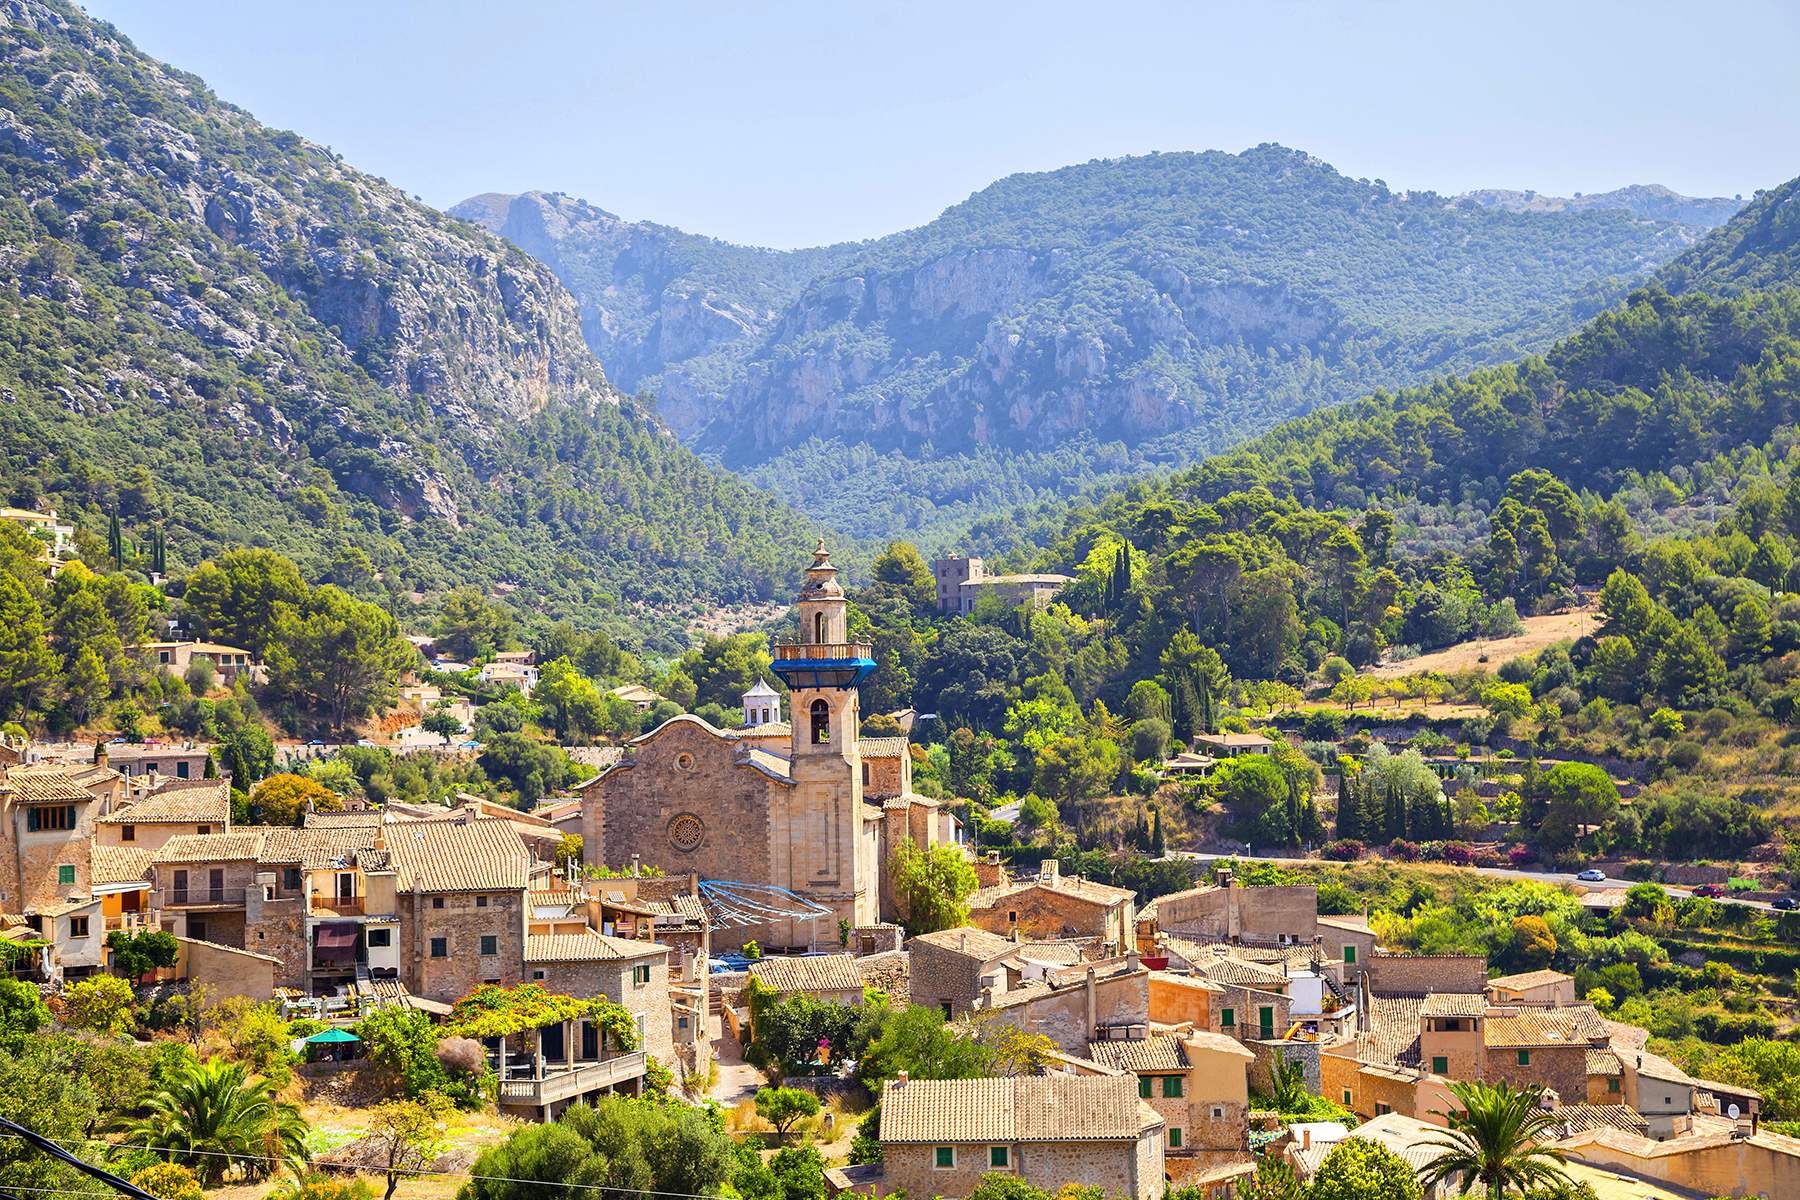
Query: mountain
x=1758 y=248
x=1135 y=313
x=1644 y=199
x=225 y=331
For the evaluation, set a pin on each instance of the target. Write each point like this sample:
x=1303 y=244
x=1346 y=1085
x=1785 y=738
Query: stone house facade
x=952 y=969
x=174 y=808
x=634 y=974
x=939 y=1137
x=1054 y=906
x=828 y=978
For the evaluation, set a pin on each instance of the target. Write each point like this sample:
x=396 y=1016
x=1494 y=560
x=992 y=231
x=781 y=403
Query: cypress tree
x=1157 y=846
x=115 y=541
x=1349 y=809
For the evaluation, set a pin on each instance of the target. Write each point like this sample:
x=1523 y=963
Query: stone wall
x=1045 y=914
x=1271 y=911
x=1270 y=1053
x=938 y=974
x=1063 y=1017
x=1561 y=1068
x=611 y=978
x=1180 y=999
x=1417 y=974
x=1338 y=1080
x=1133 y=1170
x=278 y=928
x=228 y=971
x=462 y=923
x=1246 y=1005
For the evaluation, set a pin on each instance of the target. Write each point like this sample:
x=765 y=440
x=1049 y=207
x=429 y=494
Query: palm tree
x=1494 y=1139
x=212 y=1116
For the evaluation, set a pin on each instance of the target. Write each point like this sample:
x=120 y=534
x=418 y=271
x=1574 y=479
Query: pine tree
x=26 y=662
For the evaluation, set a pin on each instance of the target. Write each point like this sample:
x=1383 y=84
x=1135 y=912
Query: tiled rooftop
x=586 y=947
x=1076 y=889
x=1582 y=1117
x=45 y=784
x=1529 y=979
x=1236 y=970
x=210 y=847
x=1454 y=1004
x=813 y=973
x=365 y=819
x=888 y=747
x=483 y=855
x=315 y=847
x=1156 y=1053
x=1545 y=1027
x=1036 y=1109
x=976 y=943
x=1603 y=1062
x=196 y=802
x=117 y=864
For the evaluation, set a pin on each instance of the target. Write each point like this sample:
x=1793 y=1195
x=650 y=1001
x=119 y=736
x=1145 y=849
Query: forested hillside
x=1142 y=311
x=1758 y=248
x=223 y=333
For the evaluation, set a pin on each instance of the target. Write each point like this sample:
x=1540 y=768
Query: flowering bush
x=1458 y=854
x=1404 y=850
x=1343 y=850
x=1519 y=856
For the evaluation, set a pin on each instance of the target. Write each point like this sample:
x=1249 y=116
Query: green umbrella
x=334 y=1035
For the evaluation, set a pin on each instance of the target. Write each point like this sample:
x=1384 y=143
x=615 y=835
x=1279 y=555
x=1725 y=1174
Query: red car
x=1711 y=891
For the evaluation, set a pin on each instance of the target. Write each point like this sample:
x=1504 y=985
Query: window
x=437 y=902
x=640 y=974
x=1349 y=954
x=865 y=774
x=490 y=944
x=1440 y=1064
x=128 y=833
x=1175 y=1138
x=1171 y=1087
x=162 y=658
x=1382 y=1110
x=78 y=927
x=440 y=947
x=818 y=628
x=290 y=879
x=380 y=938
x=945 y=1009
x=1218 y=1112
x=181 y=770
x=1143 y=1087
x=1346 y=1097
x=681 y=1022
x=203 y=829
x=821 y=723
x=997 y=1157
x=44 y=819
x=1013 y=917
x=1265 y=1017
x=1612 y=1085
x=481 y=902
x=1228 y=1018
x=1524 y=1058
x=65 y=874
x=540 y=975
x=946 y=1158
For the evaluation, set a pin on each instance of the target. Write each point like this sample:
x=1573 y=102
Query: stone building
x=940 y=1136
x=1273 y=915
x=46 y=820
x=1532 y=987
x=175 y=807
x=829 y=978
x=691 y=798
x=631 y=973
x=952 y=969
x=1051 y=905
x=1197 y=1082
x=962 y=582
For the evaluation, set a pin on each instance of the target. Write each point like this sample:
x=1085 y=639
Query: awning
x=334 y=1035
x=337 y=935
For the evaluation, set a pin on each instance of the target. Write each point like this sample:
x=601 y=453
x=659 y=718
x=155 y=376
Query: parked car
x=1711 y=891
x=1592 y=875
x=1784 y=903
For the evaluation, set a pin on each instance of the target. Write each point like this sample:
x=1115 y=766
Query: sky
x=796 y=124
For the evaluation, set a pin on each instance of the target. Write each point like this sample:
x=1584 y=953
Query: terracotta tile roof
x=1036 y=1109
x=315 y=847
x=45 y=784
x=368 y=818
x=1454 y=1004
x=1158 y=1053
x=89 y=777
x=1582 y=1117
x=1062 y=954
x=448 y=856
x=1217 y=1043
x=814 y=973
x=887 y=747
x=1603 y=1062
x=979 y=943
x=1087 y=892
x=1529 y=979
x=1544 y=1027
x=1657 y=1067
x=210 y=847
x=871 y=813
x=1236 y=970
x=768 y=729
x=1393 y=1035
x=1727 y=1089
x=586 y=947
x=199 y=802
x=774 y=764
x=117 y=864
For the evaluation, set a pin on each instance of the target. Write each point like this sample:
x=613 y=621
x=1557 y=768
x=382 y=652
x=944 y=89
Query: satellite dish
x=1732 y=1112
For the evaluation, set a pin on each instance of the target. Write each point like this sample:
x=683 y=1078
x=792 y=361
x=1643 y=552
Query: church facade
x=807 y=814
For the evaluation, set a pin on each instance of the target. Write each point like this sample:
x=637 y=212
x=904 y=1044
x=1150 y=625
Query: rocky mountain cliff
x=1151 y=310
x=225 y=330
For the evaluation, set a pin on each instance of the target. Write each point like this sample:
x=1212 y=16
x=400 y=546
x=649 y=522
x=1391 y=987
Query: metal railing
x=342 y=905
x=130 y=920
x=811 y=650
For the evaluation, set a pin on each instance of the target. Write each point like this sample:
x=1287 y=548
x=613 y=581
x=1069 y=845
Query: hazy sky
x=799 y=124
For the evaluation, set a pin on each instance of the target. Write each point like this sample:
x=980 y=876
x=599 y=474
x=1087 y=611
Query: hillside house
x=228 y=662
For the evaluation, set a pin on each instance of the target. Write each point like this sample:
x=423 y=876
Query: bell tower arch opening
x=821 y=722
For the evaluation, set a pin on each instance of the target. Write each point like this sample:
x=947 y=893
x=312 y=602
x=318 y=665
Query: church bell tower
x=822 y=669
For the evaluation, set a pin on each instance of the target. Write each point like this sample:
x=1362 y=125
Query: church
x=805 y=808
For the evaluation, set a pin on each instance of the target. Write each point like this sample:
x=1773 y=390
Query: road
x=1501 y=872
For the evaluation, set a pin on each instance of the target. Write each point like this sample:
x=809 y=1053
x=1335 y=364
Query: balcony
x=567 y=1083
x=824 y=664
x=131 y=921
x=206 y=897
x=343 y=906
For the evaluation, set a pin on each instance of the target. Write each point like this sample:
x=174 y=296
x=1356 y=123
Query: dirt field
x=1539 y=632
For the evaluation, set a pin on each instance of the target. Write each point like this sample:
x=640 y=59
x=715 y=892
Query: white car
x=1592 y=875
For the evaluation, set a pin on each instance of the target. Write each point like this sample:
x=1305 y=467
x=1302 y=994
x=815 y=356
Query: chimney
x=965 y=943
x=900 y=1080
x=634 y=866
x=1306 y=1139
x=1131 y=960
x=1050 y=872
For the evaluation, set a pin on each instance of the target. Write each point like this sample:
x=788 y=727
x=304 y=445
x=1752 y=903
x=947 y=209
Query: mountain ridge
x=1152 y=309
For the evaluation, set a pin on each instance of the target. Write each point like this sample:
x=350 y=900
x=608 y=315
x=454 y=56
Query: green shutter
x=1171 y=1087
x=1266 y=1018
x=1143 y=1087
x=65 y=874
x=997 y=1157
x=1349 y=954
x=1440 y=1065
x=1524 y=1058
x=1175 y=1138
x=1229 y=1019
x=946 y=1158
